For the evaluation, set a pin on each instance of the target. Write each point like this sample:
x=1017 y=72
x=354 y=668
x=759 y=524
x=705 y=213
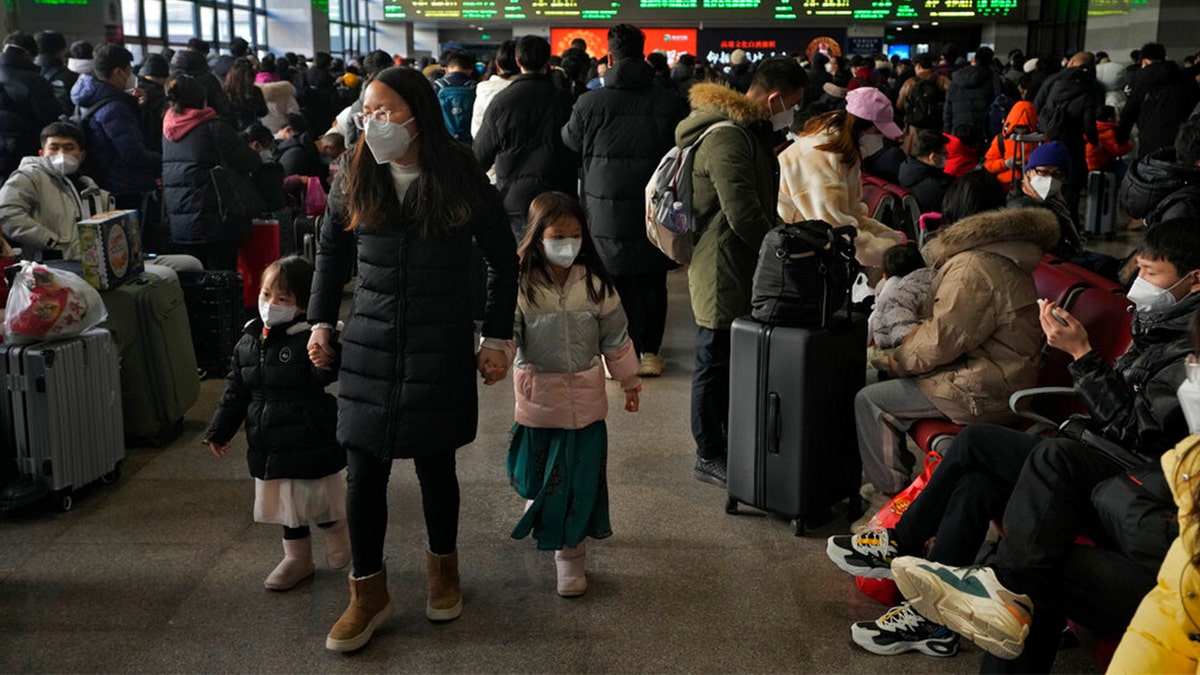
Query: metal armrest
x=1020 y=402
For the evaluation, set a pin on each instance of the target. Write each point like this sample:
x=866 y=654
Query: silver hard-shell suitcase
x=60 y=408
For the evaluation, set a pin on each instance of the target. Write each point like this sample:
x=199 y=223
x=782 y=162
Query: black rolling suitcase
x=792 y=444
x=1101 y=215
x=214 y=307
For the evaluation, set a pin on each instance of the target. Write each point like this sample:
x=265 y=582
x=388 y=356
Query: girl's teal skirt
x=564 y=472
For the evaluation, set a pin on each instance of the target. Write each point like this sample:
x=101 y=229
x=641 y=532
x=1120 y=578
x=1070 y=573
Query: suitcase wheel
x=63 y=501
x=731 y=506
x=798 y=528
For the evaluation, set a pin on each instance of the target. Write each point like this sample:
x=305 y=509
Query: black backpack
x=804 y=274
x=925 y=105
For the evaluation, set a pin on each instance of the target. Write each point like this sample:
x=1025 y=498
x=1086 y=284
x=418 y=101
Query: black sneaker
x=866 y=555
x=711 y=471
x=901 y=630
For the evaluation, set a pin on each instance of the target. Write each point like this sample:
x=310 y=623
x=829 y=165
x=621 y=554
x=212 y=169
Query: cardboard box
x=110 y=249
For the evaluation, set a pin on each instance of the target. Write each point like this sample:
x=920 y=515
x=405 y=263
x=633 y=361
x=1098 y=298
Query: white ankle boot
x=296 y=566
x=337 y=544
x=570 y=563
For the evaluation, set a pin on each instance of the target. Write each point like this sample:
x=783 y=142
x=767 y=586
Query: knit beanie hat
x=1053 y=154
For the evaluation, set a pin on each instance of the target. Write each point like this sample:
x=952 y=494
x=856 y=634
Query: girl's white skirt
x=293 y=502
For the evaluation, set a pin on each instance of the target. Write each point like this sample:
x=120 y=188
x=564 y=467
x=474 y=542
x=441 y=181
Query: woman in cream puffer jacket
x=817 y=184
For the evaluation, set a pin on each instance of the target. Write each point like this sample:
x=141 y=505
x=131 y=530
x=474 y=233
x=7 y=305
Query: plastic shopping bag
x=884 y=590
x=49 y=304
x=314 y=198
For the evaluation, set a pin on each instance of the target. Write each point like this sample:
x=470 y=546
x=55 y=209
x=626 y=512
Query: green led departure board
x=693 y=11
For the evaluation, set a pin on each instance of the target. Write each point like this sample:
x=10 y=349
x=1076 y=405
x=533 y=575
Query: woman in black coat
x=195 y=141
x=406 y=204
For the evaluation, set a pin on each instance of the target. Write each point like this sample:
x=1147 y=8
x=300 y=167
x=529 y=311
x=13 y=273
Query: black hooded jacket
x=1157 y=188
x=278 y=392
x=928 y=184
x=972 y=90
x=27 y=103
x=521 y=136
x=622 y=130
x=1160 y=99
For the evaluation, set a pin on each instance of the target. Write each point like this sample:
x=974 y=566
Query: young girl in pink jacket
x=568 y=318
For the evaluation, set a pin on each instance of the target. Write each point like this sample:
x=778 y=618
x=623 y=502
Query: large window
x=350 y=32
x=151 y=25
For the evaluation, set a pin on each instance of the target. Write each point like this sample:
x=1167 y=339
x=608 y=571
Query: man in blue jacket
x=112 y=121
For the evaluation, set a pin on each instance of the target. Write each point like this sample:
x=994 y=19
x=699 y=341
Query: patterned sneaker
x=968 y=600
x=864 y=555
x=901 y=630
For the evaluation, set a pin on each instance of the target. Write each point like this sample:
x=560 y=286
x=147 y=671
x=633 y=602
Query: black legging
x=366 y=505
x=302 y=532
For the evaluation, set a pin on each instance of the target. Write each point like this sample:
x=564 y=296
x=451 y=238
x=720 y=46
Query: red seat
x=1055 y=282
x=1105 y=313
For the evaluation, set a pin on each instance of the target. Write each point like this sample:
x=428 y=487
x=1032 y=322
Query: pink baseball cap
x=868 y=103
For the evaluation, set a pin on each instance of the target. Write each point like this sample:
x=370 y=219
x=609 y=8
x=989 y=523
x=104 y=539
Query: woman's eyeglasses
x=375 y=119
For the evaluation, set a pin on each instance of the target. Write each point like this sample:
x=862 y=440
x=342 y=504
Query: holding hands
x=492 y=364
x=320 y=350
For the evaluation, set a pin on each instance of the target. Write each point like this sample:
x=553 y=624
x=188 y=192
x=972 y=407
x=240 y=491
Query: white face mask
x=1150 y=298
x=869 y=144
x=388 y=142
x=1046 y=186
x=562 y=252
x=275 y=315
x=782 y=119
x=64 y=164
x=266 y=156
x=829 y=67
x=131 y=81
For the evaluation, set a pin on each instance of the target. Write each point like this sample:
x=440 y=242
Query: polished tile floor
x=162 y=572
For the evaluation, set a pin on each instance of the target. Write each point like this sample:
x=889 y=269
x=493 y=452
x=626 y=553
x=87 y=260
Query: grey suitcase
x=1101 y=215
x=61 y=412
x=792 y=444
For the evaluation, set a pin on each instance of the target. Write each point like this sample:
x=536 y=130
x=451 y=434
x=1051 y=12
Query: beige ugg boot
x=445 y=596
x=296 y=566
x=570 y=564
x=369 y=607
x=337 y=544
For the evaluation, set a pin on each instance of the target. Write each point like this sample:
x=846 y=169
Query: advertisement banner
x=716 y=45
x=670 y=41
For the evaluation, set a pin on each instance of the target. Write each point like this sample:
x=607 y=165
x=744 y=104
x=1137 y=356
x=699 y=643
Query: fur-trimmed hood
x=1014 y=233
x=712 y=103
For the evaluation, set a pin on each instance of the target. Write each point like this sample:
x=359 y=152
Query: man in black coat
x=318 y=94
x=1165 y=185
x=972 y=90
x=1066 y=106
x=27 y=102
x=622 y=130
x=220 y=66
x=1160 y=99
x=51 y=46
x=521 y=136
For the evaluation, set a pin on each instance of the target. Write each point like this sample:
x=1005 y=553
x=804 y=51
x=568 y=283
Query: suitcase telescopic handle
x=774 y=423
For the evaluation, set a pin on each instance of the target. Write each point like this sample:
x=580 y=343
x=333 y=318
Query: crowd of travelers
x=539 y=164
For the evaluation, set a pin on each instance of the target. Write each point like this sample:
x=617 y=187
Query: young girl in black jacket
x=293 y=454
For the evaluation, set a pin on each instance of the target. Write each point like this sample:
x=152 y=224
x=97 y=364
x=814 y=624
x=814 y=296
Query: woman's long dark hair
x=184 y=93
x=546 y=209
x=847 y=127
x=239 y=83
x=451 y=186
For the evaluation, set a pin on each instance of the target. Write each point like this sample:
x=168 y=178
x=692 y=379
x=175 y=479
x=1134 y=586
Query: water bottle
x=678 y=218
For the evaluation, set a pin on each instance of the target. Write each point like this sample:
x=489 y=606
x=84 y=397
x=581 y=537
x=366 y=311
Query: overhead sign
x=691 y=12
x=670 y=41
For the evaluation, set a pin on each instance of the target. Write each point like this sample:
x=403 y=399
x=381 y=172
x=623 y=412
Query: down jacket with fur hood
x=733 y=199
x=981 y=338
x=560 y=336
x=816 y=185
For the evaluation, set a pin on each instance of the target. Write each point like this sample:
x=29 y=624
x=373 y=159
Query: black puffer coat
x=1152 y=179
x=1134 y=402
x=290 y=420
x=27 y=104
x=1160 y=99
x=972 y=90
x=622 y=130
x=192 y=145
x=521 y=135
x=928 y=184
x=408 y=377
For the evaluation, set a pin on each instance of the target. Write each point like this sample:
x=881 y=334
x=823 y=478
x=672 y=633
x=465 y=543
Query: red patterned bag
x=884 y=590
